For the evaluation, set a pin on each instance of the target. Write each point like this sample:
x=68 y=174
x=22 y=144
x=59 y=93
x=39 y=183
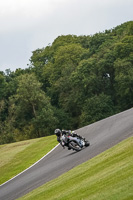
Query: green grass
x=16 y=157
x=108 y=176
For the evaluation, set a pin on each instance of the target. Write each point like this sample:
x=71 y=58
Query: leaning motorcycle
x=75 y=143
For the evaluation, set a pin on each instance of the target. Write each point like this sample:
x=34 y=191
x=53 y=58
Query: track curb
x=30 y=166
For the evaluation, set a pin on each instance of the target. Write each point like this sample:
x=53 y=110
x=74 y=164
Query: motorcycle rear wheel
x=87 y=143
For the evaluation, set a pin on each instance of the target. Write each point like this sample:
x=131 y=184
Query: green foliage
x=74 y=81
x=29 y=113
x=96 y=108
x=96 y=41
x=33 y=106
x=124 y=82
x=3 y=86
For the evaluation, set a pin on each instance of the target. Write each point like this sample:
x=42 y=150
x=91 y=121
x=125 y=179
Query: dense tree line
x=75 y=81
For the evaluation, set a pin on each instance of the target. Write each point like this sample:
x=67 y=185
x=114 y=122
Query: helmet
x=57 y=132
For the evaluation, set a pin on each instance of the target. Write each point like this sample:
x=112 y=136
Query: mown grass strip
x=16 y=157
x=107 y=176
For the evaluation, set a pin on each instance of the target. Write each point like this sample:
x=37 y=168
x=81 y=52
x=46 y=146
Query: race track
x=102 y=135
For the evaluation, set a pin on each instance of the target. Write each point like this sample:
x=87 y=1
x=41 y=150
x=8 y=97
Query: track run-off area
x=102 y=135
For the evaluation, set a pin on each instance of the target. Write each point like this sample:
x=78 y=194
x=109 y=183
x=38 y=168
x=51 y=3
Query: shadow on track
x=71 y=154
x=74 y=152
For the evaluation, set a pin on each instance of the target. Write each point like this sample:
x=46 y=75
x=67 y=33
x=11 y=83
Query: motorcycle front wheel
x=73 y=145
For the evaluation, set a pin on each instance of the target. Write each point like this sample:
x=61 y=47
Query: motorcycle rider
x=62 y=139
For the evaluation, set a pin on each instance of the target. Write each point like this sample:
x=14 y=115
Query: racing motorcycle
x=76 y=143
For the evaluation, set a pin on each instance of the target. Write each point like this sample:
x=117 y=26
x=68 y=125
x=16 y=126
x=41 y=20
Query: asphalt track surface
x=102 y=135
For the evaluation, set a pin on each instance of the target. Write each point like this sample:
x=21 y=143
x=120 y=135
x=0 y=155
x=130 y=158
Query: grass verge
x=107 y=176
x=16 y=157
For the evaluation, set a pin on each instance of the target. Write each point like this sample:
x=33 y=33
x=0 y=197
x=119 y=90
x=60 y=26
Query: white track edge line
x=30 y=166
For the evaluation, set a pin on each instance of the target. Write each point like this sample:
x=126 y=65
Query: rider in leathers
x=61 y=139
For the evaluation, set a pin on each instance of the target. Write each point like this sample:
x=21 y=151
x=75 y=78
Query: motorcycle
x=76 y=143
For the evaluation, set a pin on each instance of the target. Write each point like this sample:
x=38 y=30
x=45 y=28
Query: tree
x=96 y=108
x=32 y=107
x=76 y=79
x=124 y=83
x=58 y=73
x=3 y=85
